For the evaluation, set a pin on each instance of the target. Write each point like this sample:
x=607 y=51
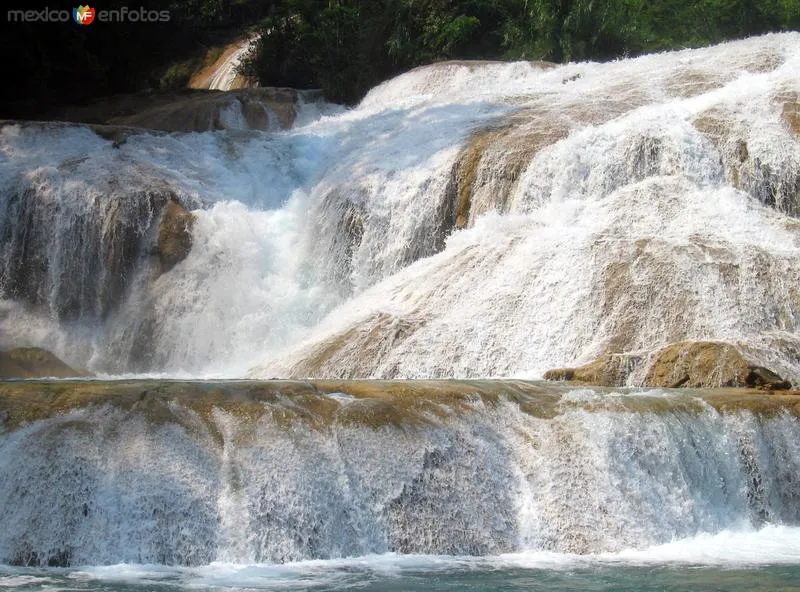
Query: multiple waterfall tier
x=465 y=220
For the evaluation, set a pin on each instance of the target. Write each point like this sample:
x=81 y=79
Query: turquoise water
x=764 y=560
x=397 y=577
x=767 y=559
x=586 y=500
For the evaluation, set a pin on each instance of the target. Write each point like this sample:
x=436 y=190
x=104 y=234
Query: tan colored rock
x=607 y=370
x=336 y=356
x=702 y=364
x=199 y=111
x=695 y=364
x=369 y=403
x=684 y=364
x=494 y=158
x=691 y=83
x=791 y=112
x=509 y=147
x=34 y=362
x=466 y=171
x=174 y=235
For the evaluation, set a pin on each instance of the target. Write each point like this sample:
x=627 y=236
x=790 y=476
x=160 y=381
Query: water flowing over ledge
x=465 y=220
x=190 y=473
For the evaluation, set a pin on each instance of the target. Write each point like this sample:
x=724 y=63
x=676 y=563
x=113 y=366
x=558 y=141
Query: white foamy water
x=769 y=547
x=663 y=208
x=163 y=484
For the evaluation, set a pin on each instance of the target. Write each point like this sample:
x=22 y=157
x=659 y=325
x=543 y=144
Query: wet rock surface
x=687 y=364
x=34 y=362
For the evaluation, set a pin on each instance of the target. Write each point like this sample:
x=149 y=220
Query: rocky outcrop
x=607 y=370
x=696 y=364
x=493 y=159
x=319 y=403
x=78 y=257
x=252 y=108
x=791 y=112
x=34 y=362
x=686 y=364
x=336 y=357
x=263 y=108
x=750 y=169
x=174 y=236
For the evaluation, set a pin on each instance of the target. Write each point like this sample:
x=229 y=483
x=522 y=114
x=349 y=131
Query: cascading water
x=273 y=473
x=464 y=220
x=224 y=75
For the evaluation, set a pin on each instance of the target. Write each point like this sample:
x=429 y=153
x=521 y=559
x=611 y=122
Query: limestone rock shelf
x=320 y=403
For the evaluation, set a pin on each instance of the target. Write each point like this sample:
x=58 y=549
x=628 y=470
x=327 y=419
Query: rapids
x=465 y=220
x=247 y=473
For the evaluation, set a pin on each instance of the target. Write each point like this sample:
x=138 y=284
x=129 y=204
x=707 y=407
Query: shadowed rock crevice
x=77 y=259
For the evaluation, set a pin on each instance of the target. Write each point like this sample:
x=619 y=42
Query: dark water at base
x=385 y=576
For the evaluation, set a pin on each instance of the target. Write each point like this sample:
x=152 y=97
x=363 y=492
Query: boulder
x=34 y=362
x=606 y=370
x=174 y=236
x=695 y=364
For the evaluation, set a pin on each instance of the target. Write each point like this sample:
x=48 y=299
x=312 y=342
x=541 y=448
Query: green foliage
x=347 y=46
x=564 y=30
x=177 y=76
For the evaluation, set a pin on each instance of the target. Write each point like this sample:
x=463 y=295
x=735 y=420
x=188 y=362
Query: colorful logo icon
x=83 y=15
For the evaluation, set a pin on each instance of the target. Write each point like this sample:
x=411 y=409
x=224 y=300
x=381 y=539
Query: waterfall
x=224 y=75
x=192 y=473
x=465 y=220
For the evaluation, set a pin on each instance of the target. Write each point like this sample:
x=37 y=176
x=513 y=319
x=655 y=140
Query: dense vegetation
x=54 y=63
x=347 y=46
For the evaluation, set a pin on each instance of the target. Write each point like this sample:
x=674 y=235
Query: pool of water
x=674 y=567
